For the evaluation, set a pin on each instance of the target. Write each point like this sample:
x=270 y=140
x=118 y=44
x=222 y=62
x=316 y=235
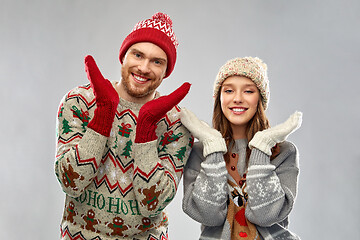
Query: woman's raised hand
x=268 y=138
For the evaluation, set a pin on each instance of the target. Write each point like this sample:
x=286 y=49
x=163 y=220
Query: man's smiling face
x=143 y=69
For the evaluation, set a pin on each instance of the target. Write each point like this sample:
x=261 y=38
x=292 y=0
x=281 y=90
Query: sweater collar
x=131 y=105
x=240 y=145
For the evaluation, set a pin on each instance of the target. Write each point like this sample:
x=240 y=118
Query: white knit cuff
x=264 y=144
x=214 y=145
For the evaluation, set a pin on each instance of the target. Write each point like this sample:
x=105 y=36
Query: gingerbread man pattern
x=69 y=175
x=118 y=227
x=151 y=197
x=90 y=221
x=71 y=213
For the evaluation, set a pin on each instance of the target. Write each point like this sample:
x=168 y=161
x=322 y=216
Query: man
x=121 y=148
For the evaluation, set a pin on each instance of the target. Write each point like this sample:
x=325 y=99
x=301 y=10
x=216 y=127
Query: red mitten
x=106 y=97
x=154 y=110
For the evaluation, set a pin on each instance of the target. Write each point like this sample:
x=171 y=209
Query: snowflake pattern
x=123 y=179
x=274 y=182
x=107 y=166
x=101 y=170
x=174 y=144
x=113 y=174
x=175 y=115
x=219 y=187
x=261 y=191
x=112 y=133
x=219 y=192
x=204 y=187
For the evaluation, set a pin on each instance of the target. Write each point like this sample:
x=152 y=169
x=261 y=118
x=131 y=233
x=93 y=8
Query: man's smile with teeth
x=139 y=78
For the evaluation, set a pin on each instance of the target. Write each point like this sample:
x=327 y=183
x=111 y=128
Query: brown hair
x=259 y=122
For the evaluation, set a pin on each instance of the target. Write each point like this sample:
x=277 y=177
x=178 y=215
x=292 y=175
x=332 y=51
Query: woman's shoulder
x=288 y=146
x=288 y=152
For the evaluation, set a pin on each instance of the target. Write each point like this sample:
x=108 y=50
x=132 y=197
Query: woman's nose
x=237 y=98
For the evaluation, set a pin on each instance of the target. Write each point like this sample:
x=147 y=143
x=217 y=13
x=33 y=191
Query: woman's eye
x=228 y=90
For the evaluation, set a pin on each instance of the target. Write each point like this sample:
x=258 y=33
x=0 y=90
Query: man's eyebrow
x=135 y=50
x=160 y=59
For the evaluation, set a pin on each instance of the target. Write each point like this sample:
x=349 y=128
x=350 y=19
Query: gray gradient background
x=312 y=51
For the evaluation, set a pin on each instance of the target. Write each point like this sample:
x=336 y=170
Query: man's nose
x=144 y=66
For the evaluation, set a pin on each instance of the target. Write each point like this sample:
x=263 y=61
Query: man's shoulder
x=83 y=93
x=81 y=89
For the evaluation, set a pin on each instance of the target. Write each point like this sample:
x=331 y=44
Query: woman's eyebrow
x=244 y=85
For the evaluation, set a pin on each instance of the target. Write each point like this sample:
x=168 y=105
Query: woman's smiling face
x=239 y=97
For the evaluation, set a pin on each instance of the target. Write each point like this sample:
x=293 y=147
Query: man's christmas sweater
x=116 y=188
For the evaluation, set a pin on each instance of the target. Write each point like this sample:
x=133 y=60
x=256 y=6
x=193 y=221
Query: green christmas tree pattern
x=66 y=127
x=181 y=153
x=127 y=149
x=116 y=143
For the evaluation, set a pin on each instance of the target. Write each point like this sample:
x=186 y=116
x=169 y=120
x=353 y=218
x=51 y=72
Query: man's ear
x=123 y=57
x=164 y=73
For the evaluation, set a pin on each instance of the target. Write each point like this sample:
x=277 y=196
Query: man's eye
x=137 y=55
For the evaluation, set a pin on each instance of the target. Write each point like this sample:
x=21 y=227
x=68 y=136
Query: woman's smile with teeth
x=238 y=110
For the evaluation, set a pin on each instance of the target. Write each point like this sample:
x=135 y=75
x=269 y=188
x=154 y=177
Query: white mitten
x=208 y=136
x=268 y=138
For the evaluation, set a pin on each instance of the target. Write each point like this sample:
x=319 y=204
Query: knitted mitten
x=106 y=97
x=152 y=111
x=211 y=139
x=268 y=138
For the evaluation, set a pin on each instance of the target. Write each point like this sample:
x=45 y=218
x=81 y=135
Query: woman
x=241 y=178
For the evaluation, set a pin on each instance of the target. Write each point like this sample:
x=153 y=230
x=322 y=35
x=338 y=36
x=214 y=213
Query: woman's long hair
x=259 y=122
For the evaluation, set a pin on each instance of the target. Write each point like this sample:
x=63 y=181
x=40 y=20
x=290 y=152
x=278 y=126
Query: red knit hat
x=157 y=30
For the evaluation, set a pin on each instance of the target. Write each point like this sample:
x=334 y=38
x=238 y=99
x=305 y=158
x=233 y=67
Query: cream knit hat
x=251 y=67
